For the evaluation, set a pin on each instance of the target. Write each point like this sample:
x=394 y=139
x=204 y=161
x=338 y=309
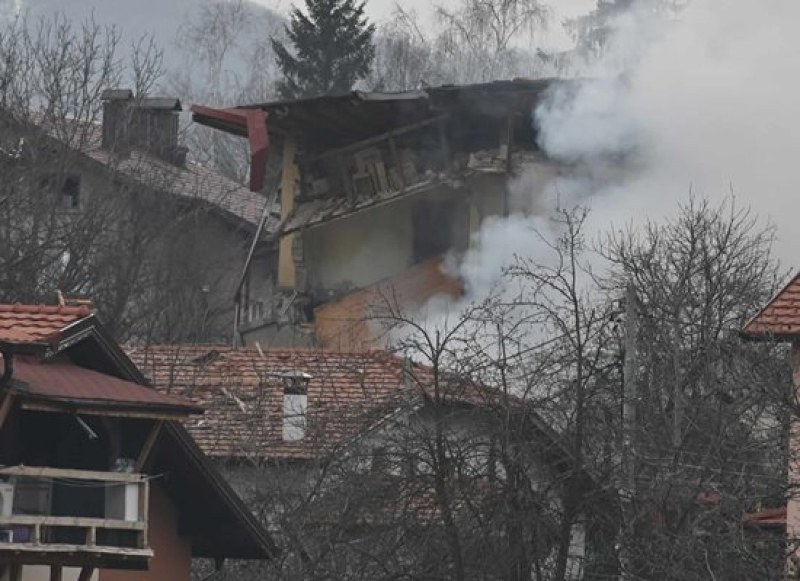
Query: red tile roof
x=37 y=323
x=781 y=316
x=63 y=382
x=242 y=391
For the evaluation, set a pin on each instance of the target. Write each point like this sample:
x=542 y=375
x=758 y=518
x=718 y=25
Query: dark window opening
x=433 y=228
x=71 y=193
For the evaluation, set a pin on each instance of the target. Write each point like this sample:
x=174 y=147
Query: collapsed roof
x=329 y=121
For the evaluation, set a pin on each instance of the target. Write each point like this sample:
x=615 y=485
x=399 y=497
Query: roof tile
x=242 y=392
x=781 y=316
x=37 y=323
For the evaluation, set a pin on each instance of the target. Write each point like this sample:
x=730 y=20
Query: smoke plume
x=703 y=102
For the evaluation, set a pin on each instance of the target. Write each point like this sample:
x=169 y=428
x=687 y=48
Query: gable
x=780 y=318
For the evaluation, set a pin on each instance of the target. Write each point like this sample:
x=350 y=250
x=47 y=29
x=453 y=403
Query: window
x=71 y=193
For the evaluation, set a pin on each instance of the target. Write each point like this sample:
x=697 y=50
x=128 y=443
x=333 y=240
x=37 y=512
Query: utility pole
x=629 y=425
x=630 y=389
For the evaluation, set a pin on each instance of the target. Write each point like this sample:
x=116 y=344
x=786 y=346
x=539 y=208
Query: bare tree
x=709 y=442
x=72 y=219
x=228 y=60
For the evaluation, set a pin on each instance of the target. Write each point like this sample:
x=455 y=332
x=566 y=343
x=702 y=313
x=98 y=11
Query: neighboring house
x=98 y=478
x=376 y=190
x=779 y=320
x=347 y=443
x=181 y=231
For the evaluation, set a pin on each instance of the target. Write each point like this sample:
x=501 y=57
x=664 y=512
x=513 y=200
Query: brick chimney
x=147 y=123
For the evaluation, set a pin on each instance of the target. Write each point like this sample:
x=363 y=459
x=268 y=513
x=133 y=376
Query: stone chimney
x=147 y=123
x=116 y=119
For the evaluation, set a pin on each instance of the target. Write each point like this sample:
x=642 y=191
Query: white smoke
x=701 y=102
x=705 y=101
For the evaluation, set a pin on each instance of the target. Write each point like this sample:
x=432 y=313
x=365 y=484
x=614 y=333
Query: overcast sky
x=381 y=10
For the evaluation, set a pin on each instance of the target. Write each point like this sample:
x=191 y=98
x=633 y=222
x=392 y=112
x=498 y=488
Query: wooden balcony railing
x=46 y=512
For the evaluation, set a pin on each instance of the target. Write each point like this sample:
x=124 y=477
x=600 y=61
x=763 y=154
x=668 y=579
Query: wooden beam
x=46 y=472
x=115 y=413
x=86 y=573
x=444 y=143
x=15 y=572
x=509 y=141
x=144 y=508
x=398 y=164
x=5 y=408
x=56 y=573
x=22 y=551
x=147 y=448
x=31 y=520
x=377 y=139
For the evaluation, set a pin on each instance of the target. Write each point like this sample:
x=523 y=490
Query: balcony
x=73 y=517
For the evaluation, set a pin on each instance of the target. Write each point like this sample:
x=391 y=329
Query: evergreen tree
x=332 y=49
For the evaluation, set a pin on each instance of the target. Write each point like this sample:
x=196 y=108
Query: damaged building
x=376 y=191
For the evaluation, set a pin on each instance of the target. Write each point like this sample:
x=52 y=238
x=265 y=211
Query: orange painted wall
x=172 y=560
x=345 y=324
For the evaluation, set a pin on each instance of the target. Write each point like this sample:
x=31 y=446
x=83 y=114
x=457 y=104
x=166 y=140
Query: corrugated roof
x=37 y=323
x=65 y=383
x=780 y=318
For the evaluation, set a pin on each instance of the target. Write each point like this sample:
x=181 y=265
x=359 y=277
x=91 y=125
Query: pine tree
x=332 y=49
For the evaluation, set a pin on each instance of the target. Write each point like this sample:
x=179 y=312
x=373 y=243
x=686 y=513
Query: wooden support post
x=5 y=408
x=147 y=448
x=91 y=536
x=444 y=143
x=15 y=572
x=398 y=163
x=509 y=141
x=144 y=508
x=346 y=183
x=86 y=573
x=56 y=573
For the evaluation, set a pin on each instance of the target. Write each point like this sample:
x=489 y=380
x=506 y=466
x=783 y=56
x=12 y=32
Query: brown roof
x=37 y=323
x=65 y=383
x=781 y=316
x=242 y=392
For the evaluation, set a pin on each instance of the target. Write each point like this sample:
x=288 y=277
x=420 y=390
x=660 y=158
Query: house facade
x=98 y=478
x=379 y=191
x=117 y=212
x=779 y=320
x=365 y=456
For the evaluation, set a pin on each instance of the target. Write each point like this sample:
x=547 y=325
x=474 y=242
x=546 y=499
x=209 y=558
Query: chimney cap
x=116 y=95
x=161 y=103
